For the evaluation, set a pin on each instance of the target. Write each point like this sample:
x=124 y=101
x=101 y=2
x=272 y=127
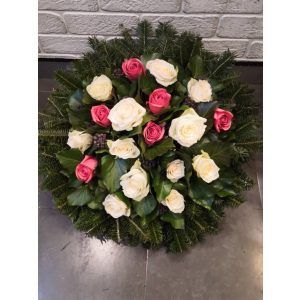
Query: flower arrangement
x=143 y=140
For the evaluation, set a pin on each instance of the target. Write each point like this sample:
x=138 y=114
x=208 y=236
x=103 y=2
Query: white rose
x=205 y=167
x=199 y=90
x=115 y=207
x=175 y=202
x=135 y=183
x=188 y=128
x=126 y=114
x=100 y=88
x=175 y=170
x=164 y=72
x=80 y=140
x=123 y=148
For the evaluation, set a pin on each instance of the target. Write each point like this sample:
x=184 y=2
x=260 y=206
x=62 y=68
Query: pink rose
x=159 y=99
x=222 y=119
x=99 y=115
x=133 y=68
x=153 y=133
x=85 y=170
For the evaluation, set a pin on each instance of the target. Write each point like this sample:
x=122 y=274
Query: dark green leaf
x=219 y=152
x=111 y=171
x=145 y=206
x=80 y=197
x=196 y=66
x=160 y=149
x=201 y=192
x=207 y=109
x=147 y=84
x=226 y=192
x=122 y=86
x=176 y=100
x=180 y=88
x=148 y=117
x=151 y=217
x=135 y=131
x=69 y=159
x=79 y=119
x=162 y=188
x=176 y=220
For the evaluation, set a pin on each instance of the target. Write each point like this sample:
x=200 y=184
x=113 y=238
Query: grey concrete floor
x=227 y=266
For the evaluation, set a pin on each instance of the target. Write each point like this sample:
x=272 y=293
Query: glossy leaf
x=159 y=149
x=69 y=159
x=196 y=66
x=145 y=206
x=176 y=220
x=80 y=197
x=111 y=171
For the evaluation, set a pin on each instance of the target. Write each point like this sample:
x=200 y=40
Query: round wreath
x=143 y=140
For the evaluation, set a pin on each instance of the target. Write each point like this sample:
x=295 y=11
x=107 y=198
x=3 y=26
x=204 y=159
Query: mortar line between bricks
x=163 y=14
x=175 y=14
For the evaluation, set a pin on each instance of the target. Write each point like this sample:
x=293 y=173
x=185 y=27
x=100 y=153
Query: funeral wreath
x=144 y=138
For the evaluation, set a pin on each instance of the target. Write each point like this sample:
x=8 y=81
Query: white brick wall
x=64 y=25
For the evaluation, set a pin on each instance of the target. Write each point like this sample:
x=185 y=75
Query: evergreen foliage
x=104 y=58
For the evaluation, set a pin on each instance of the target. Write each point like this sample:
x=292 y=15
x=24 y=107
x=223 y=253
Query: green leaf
x=226 y=192
x=176 y=100
x=162 y=188
x=167 y=158
x=79 y=119
x=207 y=109
x=100 y=195
x=133 y=88
x=201 y=192
x=180 y=88
x=80 y=197
x=145 y=206
x=69 y=159
x=147 y=84
x=111 y=171
x=148 y=117
x=136 y=130
x=122 y=86
x=176 y=220
x=151 y=217
x=75 y=100
x=220 y=152
x=196 y=66
x=160 y=149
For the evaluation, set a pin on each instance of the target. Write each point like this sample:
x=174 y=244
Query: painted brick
x=141 y=5
x=106 y=24
x=83 y=5
x=63 y=44
x=51 y=23
x=219 y=45
x=222 y=6
x=244 y=6
x=202 y=25
x=256 y=50
x=240 y=27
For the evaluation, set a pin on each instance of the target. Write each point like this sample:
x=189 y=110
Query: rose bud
x=222 y=119
x=159 y=100
x=99 y=115
x=85 y=170
x=133 y=68
x=153 y=133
